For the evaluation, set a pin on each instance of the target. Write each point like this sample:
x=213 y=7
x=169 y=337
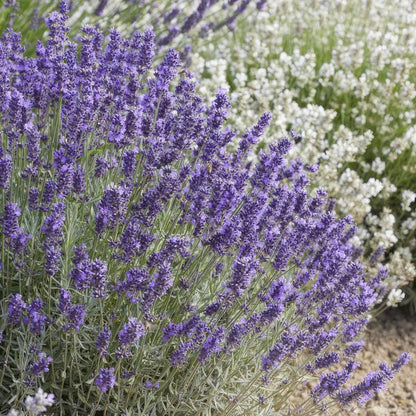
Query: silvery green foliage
x=146 y=269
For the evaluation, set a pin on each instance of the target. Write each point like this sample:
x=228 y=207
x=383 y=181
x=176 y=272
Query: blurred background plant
x=175 y=22
x=146 y=269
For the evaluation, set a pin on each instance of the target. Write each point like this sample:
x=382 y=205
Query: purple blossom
x=351 y=330
x=260 y=4
x=64 y=300
x=354 y=348
x=81 y=271
x=10 y=220
x=112 y=208
x=288 y=345
x=167 y=70
x=34 y=318
x=53 y=225
x=33 y=144
x=136 y=282
x=33 y=199
x=131 y=332
x=78 y=185
x=5 y=171
x=243 y=271
x=53 y=255
x=74 y=315
x=400 y=362
x=101 y=167
x=212 y=345
x=102 y=341
x=49 y=192
x=98 y=276
x=106 y=379
x=65 y=172
x=330 y=383
x=15 y=309
x=100 y=7
x=129 y=163
x=171 y=14
x=326 y=360
x=317 y=342
x=237 y=332
x=40 y=365
x=178 y=357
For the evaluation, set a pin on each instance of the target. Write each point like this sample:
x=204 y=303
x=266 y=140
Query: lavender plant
x=145 y=269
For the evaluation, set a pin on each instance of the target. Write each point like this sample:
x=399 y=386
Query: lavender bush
x=148 y=271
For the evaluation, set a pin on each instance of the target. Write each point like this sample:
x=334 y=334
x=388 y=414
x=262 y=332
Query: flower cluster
x=167 y=272
x=349 y=89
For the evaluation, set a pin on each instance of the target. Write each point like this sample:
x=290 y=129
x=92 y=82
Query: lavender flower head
x=132 y=331
x=105 y=379
x=40 y=365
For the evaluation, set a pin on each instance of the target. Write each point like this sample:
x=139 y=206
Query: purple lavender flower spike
x=78 y=185
x=75 y=316
x=131 y=332
x=178 y=357
x=212 y=345
x=64 y=300
x=15 y=309
x=53 y=255
x=100 y=8
x=10 y=220
x=102 y=341
x=354 y=348
x=98 y=276
x=81 y=272
x=35 y=319
x=33 y=199
x=101 y=166
x=106 y=379
x=41 y=365
x=53 y=225
x=49 y=192
x=5 y=171
x=331 y=383
x=260 y=4
x=167 y=70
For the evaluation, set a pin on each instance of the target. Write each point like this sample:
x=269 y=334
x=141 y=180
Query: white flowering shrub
x=342 y=75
